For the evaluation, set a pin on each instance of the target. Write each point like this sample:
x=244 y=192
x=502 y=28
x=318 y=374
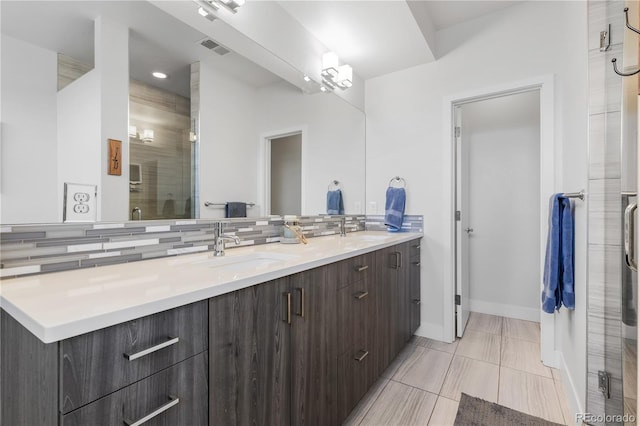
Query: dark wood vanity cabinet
x=274 y=352
x=298 y=350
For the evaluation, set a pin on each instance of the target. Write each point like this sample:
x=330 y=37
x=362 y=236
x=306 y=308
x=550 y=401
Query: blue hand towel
x=558 y=276
x=335 y=205
x=394 y=208
x=236 y=209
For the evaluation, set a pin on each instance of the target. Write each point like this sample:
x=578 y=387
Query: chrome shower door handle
x=468 y=230
x=629 y=236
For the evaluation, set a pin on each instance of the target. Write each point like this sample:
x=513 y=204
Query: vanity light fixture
x=209 y=7
x=133 y=132
x=335 y=75
x=159 y=75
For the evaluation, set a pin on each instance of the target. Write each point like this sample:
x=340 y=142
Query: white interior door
x=463 y=229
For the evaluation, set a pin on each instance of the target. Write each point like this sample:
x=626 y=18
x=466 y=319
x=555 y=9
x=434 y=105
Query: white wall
x=29 y=85
x=405 y=135
x=502 y=139
x=79 y=134
x=112 y=62
x=333 y=144
x=228 y=142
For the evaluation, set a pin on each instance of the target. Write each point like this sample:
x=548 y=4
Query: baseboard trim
x=500 y=309
x=431 y=331
x=575 y=404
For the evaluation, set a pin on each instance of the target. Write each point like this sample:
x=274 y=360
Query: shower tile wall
x=604 y=351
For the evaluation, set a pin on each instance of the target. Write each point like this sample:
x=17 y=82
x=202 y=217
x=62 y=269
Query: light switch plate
x=80 y=204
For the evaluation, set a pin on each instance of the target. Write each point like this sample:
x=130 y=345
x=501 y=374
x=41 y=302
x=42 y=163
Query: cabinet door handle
x=170 y=341
x=361 y=355
x=417 y=246
x=361 y=295
x=629 y=237
x=415 y=263
x=173 y=400
x=301 y=313
x=417 y=301
x=288 y=318
x=362 y=268
x=398 y=260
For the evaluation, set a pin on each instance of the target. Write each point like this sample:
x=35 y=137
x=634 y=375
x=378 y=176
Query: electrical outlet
x=372 y=207
x=81 y=208
x=357 y=207
x=80 y=202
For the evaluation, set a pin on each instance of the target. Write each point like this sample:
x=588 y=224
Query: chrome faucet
x=343 y=226
x=219 y=238
x=138 y=210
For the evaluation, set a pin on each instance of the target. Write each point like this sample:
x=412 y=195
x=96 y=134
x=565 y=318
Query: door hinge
x=604 y=379
x=457 y=215
x=458 y=300
x=457 y=131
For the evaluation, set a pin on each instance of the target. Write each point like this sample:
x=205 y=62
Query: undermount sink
x=253 y=261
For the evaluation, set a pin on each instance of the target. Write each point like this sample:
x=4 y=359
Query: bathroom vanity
x=273 y=335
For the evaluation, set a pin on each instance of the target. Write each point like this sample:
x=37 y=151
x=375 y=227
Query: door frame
x=549 y=151
x=264 y=165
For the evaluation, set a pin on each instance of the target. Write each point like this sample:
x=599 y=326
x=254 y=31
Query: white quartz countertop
x=61 y=305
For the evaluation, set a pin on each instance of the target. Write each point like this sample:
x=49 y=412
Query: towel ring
x=334 y=184
x=399 y=180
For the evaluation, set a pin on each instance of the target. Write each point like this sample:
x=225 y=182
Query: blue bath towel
x=558 y=276
x=335 y=205
x=394 y=208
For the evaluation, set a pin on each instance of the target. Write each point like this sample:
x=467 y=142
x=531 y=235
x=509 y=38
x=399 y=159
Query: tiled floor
x=496 y=360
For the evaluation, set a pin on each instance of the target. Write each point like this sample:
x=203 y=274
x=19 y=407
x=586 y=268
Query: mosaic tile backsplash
x=36 y=249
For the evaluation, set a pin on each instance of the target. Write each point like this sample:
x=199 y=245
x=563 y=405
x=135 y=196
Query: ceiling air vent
x=212 y=45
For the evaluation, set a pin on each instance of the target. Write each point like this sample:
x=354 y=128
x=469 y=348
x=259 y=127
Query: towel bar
x=574 y=195
x=210 y=204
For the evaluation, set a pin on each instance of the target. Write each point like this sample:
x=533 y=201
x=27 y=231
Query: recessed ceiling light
x=307 y=78
x=323 y=89
x=158 y=74
x=203 y=12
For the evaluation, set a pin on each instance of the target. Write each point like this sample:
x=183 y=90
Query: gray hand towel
x=236 y=209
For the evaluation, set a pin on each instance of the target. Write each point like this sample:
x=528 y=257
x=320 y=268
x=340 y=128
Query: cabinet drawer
x=176 y=396
x=414 y=248
x=101 y=362
x=355 y=269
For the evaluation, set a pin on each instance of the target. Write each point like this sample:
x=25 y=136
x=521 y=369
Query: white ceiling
x=379 y=37
x=375 y=37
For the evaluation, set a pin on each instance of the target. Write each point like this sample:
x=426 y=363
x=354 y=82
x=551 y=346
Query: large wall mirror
x=218 y=129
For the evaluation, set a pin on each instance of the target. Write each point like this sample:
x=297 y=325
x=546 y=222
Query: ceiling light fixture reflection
x=158 y=74
x=306 y=78
x=336 y=75
x=211 y=6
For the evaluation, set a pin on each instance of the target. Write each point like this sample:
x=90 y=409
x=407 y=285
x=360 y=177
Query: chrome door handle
x=629 y=237
x=468 y=230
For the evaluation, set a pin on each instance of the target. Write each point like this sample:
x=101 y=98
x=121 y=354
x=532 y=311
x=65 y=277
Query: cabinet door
x=414 y=286
x=249 y=364
x=403 y=333
x=385 y=299
x=314 y=347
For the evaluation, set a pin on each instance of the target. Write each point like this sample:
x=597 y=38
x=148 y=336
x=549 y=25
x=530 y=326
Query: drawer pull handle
x=362 y=268
x=417 y=246
x=172 y=401
x=169 y=342
x=363 y=355
x=301 y=313
x=361 y=295
x=288 y=296
x=417 y=301
x=415 y=263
